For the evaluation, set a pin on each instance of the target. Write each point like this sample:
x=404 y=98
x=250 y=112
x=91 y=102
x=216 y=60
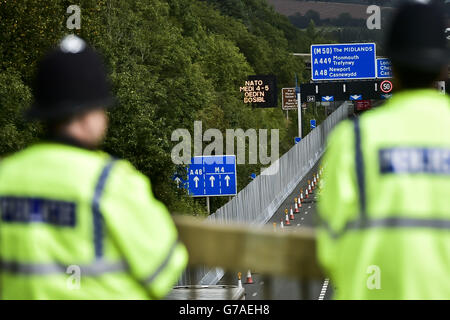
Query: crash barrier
x=234 y=247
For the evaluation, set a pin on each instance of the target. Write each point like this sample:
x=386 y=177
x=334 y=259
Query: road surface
x=281 y=288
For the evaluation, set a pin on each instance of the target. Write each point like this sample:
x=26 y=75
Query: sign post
x=299 y=108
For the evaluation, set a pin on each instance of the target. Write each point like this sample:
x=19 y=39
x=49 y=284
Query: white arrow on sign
x=196 y=181
x=227 y=179
x=177 y=181
x=327 y=98
x=212 y=181
x=355 y=97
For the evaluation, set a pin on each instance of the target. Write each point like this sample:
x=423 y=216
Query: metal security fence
x=259 y=200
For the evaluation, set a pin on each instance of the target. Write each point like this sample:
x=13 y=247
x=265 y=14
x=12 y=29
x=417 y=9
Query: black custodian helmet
x=70 y=79
x=416 y=39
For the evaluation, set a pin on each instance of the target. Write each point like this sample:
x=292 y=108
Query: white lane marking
x=306 y=212
x=302 y=218
x=298 y=225
x=261 y=283
x=254 y=294
x=309 y=207
x=324 y=289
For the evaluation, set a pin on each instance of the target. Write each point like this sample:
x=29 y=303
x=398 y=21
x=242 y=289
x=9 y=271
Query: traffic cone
x=301 y=195
x=296 y=206
x=287 y=222
x=309 y=186
x=239 y=280
x=274 y=226
x=300 y=201
x=291 y=215
x=281 y=224
x=249 y=278
x=306 y=193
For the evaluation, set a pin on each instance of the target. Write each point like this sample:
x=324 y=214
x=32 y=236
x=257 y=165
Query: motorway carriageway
x=283 y=288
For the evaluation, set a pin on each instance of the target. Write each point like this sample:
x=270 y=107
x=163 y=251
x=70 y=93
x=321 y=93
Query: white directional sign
x=196 y=179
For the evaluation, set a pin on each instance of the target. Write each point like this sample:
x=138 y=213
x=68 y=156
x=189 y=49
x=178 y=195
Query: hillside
x=171 y=62
x=325 y=9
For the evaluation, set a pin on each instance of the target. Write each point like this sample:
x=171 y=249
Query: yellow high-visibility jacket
x=78 y=224
x=385 y=204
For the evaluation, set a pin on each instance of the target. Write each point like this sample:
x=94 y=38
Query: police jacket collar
x=68 y=140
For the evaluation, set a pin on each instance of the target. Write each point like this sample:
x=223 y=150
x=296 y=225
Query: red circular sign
x=386 y=86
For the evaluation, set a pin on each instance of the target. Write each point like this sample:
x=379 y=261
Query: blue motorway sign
x=178 y=179
x=343 y=61
x=312 y=123
x=355 y=97
x=327 y=98
x=384 y=68
x=212 y=176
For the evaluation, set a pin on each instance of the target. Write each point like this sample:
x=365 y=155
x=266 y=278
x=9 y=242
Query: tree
x=170 y=62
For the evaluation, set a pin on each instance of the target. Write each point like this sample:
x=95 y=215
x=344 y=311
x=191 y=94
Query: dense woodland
x=171 y=62
x=367 y=2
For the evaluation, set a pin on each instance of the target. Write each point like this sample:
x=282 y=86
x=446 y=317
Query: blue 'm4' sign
x=343 y=61
x=212 y=176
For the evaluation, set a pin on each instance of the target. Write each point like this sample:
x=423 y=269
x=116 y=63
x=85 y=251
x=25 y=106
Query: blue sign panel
x=384 y=68
x=312 y=123
x=178 y=179
x=356 y=97
x=212 y=176
x=297 y=140
x=343 y=61
x=327 y=98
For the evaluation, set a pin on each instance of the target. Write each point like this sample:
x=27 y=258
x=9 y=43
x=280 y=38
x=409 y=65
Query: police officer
x=385 y=205
x=75 y=222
